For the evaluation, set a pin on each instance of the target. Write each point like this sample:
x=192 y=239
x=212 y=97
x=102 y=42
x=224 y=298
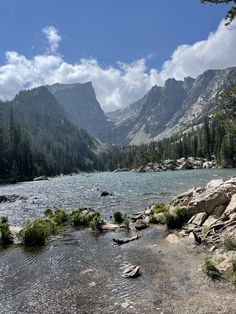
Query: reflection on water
x=79 y=272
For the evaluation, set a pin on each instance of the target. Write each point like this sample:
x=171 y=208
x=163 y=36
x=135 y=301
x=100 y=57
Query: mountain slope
x=65 y=146
x=80 y=102
x=171 y=109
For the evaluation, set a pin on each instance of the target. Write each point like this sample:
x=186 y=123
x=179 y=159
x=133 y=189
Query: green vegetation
x=230 y=244
x=36 y=233
x=60 y=217
x=176 y=219
x=85 y=218
x=160 y=213
x=5 y=233
x=126 y=224
x=209 y=269
x=118 y=217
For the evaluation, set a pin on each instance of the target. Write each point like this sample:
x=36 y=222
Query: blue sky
x=129 y=36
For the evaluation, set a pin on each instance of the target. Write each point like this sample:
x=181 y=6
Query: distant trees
x=231 y=14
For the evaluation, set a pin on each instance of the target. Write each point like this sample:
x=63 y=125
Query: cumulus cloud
x=53 y=38
x=120 y=84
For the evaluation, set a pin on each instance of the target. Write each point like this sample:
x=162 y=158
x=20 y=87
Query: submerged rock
x=131 y=272
x=105 y=193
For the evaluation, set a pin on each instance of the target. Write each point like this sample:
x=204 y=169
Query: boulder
x=131 y=272
x=141 y=224
x=198 y=219
x=173 y=239
x=210 y=221
x=218 y=211
x=184 y=198
x=231 y=208
x=195 y=238
x=110 y=227
x=213 y=184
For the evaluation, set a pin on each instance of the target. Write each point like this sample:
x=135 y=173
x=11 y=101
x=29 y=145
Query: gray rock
x=131 y=272
x=141 y=224
x=231 y=208
x=210 y=221
x=198 y=219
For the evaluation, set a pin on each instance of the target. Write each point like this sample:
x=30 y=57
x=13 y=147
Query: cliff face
x=171 y=109
x=80 y=102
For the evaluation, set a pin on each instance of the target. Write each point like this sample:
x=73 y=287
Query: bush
x=209 y=268
x=96 y=223
x=159 y=218
x=117 y=216
x=48 y=213
x=60 y=217
x=82 y=218
x=35 y=233
x=4 y=220
x=176 y=219
x=126 y=224
x=160 y=208
x=230 y=244
x=5 y=234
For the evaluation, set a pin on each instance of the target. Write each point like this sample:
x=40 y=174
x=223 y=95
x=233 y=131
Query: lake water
x=79 y=272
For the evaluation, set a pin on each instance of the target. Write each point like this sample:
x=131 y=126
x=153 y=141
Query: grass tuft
x=209 y=269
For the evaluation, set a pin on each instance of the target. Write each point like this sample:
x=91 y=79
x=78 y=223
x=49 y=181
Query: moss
x=36 y=233
x=5 y=233
x=209 y=268
x=176 y=219
x=117 y=217
x=230 y=244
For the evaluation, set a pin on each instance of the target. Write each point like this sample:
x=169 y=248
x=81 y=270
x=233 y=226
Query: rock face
x=171 y=109
x=80 y=102
x=212 y=211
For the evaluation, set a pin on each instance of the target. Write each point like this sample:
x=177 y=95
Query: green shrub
x=176 y=219
x=5 y=234
x=48 y=213
x=209 y=268
x=96 y=223
x=160 y=208
x=126 y=224
x=80 y=217
x=35 y=233
x=159 y=218
x=117 y=216
x=60 y=217
x=230 y=244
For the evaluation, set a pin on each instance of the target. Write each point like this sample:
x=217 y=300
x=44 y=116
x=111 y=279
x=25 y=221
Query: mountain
x=80 y=102
x=171 y=109
x=53 y=135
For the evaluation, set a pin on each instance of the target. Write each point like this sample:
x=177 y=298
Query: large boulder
x=217 y=194
x=213 y=184
x=184 y=198
x=198 y=219
x=231 y=208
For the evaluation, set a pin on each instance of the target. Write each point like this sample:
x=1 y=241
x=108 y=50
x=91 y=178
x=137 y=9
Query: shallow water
x=79 y=272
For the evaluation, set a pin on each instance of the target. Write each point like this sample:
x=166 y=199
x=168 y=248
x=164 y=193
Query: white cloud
x=218 y=51
x=53 y=38
x=120 y=84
